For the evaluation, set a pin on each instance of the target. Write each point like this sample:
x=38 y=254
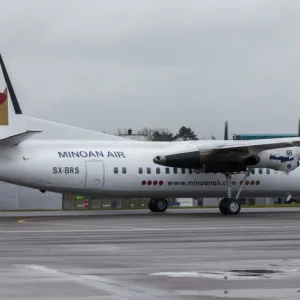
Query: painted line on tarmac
x=78 y=225
x=133 y=229
x=71 y=225
x=22 y=221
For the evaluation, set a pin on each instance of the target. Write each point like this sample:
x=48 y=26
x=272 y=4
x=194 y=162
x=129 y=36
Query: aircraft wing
x=260 y=145
x=225 y=156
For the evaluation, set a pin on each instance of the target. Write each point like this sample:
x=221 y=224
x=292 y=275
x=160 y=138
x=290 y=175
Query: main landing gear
x=230 y=205
x=158 y=205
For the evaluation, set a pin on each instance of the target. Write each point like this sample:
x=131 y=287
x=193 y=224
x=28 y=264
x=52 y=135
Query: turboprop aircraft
x=120 y=167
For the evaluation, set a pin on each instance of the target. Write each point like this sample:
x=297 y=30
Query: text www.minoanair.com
x=195 y=183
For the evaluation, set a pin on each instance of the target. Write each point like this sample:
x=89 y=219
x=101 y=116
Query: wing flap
x=18 y=138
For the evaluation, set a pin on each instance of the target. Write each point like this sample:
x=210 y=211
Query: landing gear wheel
x=233 y=206
x=230 y=205
x=151 y=205
x=222 y=206
x=158 y=205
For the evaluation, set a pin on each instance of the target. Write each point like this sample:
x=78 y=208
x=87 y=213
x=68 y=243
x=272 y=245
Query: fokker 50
x=120 y=167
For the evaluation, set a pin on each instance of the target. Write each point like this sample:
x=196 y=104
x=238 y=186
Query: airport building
x=13 y=197
x=261 y=136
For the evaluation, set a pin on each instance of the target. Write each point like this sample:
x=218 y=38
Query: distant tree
x=145 y=131
x=121 y=131
x=107 y=132
x=161 y=135
x=213 y=137
x=185 y=133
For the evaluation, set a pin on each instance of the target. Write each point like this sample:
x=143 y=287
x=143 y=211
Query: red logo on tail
x=3 y=98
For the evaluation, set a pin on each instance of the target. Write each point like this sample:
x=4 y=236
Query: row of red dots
x=155 y=182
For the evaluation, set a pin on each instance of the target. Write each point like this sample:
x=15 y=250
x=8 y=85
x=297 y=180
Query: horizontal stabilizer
x=18 y=138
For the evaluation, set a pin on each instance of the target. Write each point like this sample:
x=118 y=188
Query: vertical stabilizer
x=12 y=121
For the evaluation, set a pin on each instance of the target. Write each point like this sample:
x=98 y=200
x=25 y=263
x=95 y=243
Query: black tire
x=222 y=206
x=161 y=205
x=151 y=205
x=233 y=206
x=158 y=205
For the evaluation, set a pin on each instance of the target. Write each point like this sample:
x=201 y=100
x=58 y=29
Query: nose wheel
x=230 y=205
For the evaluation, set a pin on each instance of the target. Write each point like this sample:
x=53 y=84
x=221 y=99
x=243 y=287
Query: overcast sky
x=104 y=65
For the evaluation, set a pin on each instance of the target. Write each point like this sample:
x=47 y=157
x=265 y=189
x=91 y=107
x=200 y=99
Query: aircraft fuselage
x=125 y=170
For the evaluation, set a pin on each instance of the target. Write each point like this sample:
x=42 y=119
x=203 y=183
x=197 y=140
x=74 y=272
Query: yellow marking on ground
x=42 y=219
x=31 y=219
x=24 y=220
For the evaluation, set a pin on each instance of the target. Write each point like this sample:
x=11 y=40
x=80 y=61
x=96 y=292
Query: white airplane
x=122 y=167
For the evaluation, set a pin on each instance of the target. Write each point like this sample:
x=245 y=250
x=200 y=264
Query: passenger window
x=124 y=170
x=167 y=171
x=175 y=170
x=157 y=170
x=183 y=171
x=260 y=171
x=148 y=171
x=115 y=170
x=268 y=171
x=191 y=171
x=140 y=170
x=253 y=171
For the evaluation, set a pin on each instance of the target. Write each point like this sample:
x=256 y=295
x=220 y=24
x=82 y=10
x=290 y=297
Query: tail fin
x=4 y=108
x=12 y=123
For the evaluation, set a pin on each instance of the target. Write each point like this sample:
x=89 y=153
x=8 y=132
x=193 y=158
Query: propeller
x=226 y=130
x=288 y=172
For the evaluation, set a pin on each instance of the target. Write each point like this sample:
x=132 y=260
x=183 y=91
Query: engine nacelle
x=285 y=159
x=204 y=161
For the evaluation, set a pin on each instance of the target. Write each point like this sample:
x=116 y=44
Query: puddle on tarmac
x=256 y=273
x=243 y=274
x=245 y=293
x=273 y=270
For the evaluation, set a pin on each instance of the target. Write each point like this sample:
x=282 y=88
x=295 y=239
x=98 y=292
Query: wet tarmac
x=139 y=255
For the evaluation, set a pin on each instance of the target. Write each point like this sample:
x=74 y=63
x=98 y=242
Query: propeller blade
x=226 y=131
